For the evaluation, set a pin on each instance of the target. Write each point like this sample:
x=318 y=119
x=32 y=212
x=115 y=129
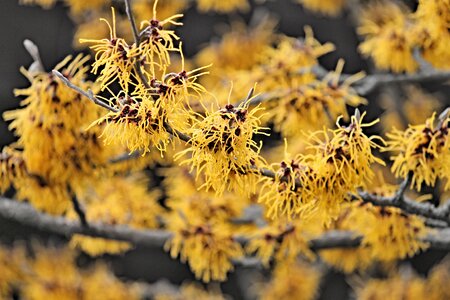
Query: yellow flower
x=208 y=249
x=388 y=38
x=44 y=281
x=138 y=124
x=432 y=31
x=395 y=287
x=222 y=149
x=423 y=150
x=292 y=281
x=282 y=241
x=328 y=7
x=129 y=203
x=315 y=105
x=114 y=56
x=288 y=194
x=157 y=42
x=222 y=6
x=192 y=291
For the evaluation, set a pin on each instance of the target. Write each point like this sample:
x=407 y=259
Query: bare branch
x=87 y=94
x=426 y=210
x=137 y=64
x=33 y=50
x=27 y=215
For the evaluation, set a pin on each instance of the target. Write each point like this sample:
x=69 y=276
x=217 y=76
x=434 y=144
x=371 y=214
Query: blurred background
x=52 y=31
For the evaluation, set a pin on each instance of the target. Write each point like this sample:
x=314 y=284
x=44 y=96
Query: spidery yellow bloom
x=114 y=58
x=343 y=160
x=397 y=286
x=45 y=271
x=292 y=281
x=315 y=105
x=328 y=7
x=282 y=241
x=432 y=31
x=54 y=152
x=222 y=149
x=288 y=194
x=157 y=42
x=138 y=125
x=222 y=6
x=129 y=203
x=388 y=38
x=208 y=249
x=423 y=150
x=192 y=291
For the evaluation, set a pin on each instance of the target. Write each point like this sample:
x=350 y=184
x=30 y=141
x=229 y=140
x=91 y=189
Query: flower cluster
x=40 y=276
x=422 y=150
x=222 y=147
x=318 y=183
x=392 y=32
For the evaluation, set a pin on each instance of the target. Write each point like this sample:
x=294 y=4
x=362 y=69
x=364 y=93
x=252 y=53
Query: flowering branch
x=27 y=215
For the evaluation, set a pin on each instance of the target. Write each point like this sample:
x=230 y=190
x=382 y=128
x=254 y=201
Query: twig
x=79 y=210
x=137 y=64
x=87 y=94
x=33 y=50
x=426 y=210
x=25 y=214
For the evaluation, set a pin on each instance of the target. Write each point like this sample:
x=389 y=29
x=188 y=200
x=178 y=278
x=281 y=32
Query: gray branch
x=410 y=206
x=25 y=214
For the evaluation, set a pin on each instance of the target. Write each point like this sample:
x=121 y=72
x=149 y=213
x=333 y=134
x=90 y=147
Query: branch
x=87 y=94
x=426 y=210
x=371 y=82
x=137 y=64
x=25 y=214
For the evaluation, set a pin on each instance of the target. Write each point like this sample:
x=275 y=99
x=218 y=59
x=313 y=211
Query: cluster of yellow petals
x=129 y=203
x=432 y=30
x=192 y=291
x=318 y=183
x=222 y=6
x=281 y=240
x=386 y=28
x=222 y=148
x=423 y=150
x=392 y=32
x=314 y=105
x=199 y=220
x=209 y=250
x=54 y=152
x=388 y=235
x=408 y=285
x=327 y=7
x=292 y=281
x=52 y=273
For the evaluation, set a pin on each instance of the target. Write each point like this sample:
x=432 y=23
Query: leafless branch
x=399 y=200
x=87 y=94
x=137 y=64
x=25 y=214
